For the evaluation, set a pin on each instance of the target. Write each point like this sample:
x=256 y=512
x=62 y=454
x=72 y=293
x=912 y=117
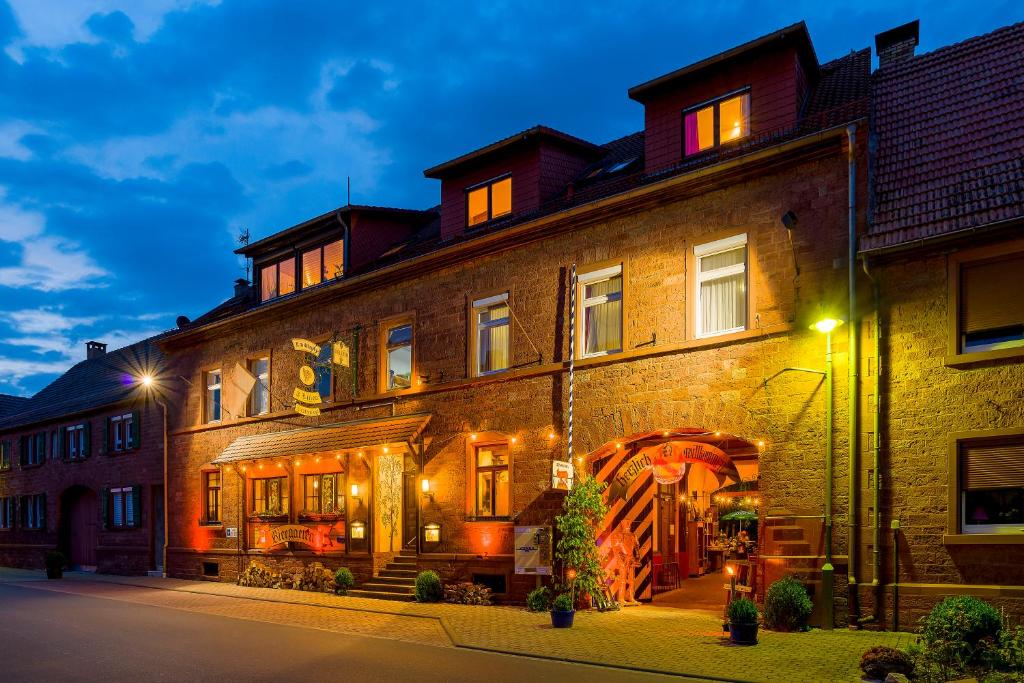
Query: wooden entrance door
x=82 y=528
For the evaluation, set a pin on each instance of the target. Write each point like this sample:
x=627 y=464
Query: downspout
x=853 y=602
x=876 y=456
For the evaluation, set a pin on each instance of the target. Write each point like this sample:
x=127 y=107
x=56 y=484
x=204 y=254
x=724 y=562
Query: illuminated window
x=5 y=455
x=992 y=485
x=716 y=123
x=211 y=488
x=491 y=334
x=323 y=264
x=123 y=507
x=7 y=512
x=211 y=401
x=270 y=496
x=398 y=357
x=32 y=510
x=989 y=320
x=721 y=286
x=122 y=431
x=322 y=494
x=259 y=399
x=488 y=201
x=492 y=482
x=277 y=279
x=600 y=328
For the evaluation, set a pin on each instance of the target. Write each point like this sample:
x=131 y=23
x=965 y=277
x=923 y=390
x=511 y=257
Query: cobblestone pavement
x=648 y=638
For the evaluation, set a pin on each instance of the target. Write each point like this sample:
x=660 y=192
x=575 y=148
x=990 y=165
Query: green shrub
x=343 y=580
x=955 y=629
x=880 y=661
x=1009 y=653
x=539 y=599
x=786 y=605
x=55 y=560
x=563 y=603
x=742 y=611
x=428 y=587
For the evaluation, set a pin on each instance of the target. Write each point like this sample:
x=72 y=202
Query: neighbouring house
x=82 y=467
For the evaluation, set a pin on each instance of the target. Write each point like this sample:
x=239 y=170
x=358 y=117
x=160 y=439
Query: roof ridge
x=925 y=58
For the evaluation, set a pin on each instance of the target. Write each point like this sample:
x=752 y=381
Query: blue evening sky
x=137 y=137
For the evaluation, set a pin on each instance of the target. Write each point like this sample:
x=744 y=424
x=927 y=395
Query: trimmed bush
x=343 y=580
x=467 y=594
x=742 y=611
x=786 y=605
x=880 y=661
x=563 y=603
x=539 y=599
x=428 y=587
x=55 y=560
x=957 y=626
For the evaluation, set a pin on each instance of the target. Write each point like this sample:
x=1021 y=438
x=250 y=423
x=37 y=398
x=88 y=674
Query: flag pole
x=572 y=356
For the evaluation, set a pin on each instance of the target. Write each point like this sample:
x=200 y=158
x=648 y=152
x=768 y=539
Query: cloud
x=12 y=143
x=44 y=320
x=14 y=370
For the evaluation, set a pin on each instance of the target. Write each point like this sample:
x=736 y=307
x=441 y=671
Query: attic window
x=277 y=279
x=716 y=123
x=488 y=201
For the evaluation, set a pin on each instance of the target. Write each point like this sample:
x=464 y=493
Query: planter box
x=562 y=619
x=743 y=634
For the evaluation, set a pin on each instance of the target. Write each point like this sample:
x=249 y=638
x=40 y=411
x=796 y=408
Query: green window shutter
x=137 y=505
x=23 y=451
x=61 y=451
x=23 y=511
x=105 y=445
x=136 y=430
x=41 y=447
x=105 y=507
x=87 y=439
x=42 y=513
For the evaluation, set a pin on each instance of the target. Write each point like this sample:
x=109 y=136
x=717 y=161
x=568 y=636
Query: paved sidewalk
x=647 y=638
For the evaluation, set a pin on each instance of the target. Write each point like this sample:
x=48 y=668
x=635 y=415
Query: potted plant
x=55 y=562
x=743 y=622
x=562 y=611
x=343 y=580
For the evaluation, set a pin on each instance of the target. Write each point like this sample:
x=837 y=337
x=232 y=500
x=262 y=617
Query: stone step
x=395 y=580
x=399 y=573
x=408 y=560
x=381 y=595
x=386 y=588
x=407 y=552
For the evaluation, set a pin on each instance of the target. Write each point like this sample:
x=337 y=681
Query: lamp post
x=826 y=326
x=147 y=382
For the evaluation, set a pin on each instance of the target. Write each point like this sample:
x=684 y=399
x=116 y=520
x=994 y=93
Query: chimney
x=94 y=349
x=897 y=44
x=241 y=288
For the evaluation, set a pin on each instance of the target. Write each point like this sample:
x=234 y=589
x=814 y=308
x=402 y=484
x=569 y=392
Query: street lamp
x=826 y=326
x=146 y=380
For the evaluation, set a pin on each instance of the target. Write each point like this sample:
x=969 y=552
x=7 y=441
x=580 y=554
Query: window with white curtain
x=491 y=326
x=600 y=321
x=721 y=286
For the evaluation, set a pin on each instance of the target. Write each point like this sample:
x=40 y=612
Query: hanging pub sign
x=562 y=473
x=533 y=550
x=670 y=458
x=340 y=354
x=306 y=401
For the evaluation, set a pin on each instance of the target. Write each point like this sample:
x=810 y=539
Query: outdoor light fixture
x=358 y=530
x=826 y=325
x=570 y=574
x=425 y=486
x=146 y=380
x=512 y=440
x=355 y=491
x=551 y=436
x=432 y=533
x=789 y=220
x=473 y=436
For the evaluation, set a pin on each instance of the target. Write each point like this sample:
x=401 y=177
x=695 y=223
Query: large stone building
x=81 y=467
x=395 y=388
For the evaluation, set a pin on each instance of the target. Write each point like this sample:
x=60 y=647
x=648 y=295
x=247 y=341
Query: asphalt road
x=47 y=636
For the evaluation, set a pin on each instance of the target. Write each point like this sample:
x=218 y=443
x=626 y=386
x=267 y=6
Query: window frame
x=127 y=495
x=6 y=455
x=121 y=428
x=384 y=357
x=250 y=363
x=325 y=347
x=339 y=493
x=954 y=515
x=474 y=446
x=35 y=515
x=479 y=302
x=33 y=450
x=713 y=246
x=716 y=102
x=276 y=265
x=955 y=354
x=206 y=402
x=7 y=513
x=209 y=488
x=74 y=448
x=285 y=491
x=319 y=245
x=489 y=184
x=588 y=275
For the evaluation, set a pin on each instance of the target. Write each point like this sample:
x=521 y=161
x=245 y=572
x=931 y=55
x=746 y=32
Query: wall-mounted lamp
x=358 y=530
x=425 y=488
x=789 y=220
x=354 y=491
x=432 y=533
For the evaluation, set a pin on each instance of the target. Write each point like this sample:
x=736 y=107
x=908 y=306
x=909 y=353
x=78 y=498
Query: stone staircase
x=397 y=581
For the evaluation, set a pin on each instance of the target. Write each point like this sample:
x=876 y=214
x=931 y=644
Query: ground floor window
x=211 y=487
x=323 y=493
x=123 y=504
x=270 y=496
x=6 y=513
x=992 y=486
x=33 y=511
x=492 y=481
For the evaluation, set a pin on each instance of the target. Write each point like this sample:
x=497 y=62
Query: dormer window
x=323 y=263
x=277 y=279
x=489 y=200
x=715 y=123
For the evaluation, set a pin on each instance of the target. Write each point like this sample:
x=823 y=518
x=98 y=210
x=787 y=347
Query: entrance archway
x=660 y=486
x=79 y=527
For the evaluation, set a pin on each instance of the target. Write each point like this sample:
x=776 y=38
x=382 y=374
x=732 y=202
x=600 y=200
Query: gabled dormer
x=511 y=177
x=752 y=91
x=321 y=250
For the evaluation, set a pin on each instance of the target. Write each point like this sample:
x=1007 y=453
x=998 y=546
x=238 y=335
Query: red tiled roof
x=950 y=140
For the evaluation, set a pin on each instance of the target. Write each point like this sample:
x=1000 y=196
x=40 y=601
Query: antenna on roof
x=348 y=190
x=243 y=240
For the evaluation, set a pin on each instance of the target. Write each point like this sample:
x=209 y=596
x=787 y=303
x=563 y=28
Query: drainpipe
x=853 y=602
x=876 y=457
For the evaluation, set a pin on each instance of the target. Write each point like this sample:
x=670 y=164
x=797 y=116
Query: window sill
x=211 y=525
x=472 y=518
x=31 y=467
x=983 y=539
x=960 y=360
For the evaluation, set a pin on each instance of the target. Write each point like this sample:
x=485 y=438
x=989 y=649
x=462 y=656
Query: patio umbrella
x=739 y=516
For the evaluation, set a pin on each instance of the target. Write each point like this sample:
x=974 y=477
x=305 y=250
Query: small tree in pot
x=563 y=610
x=582 y=512
x=743 y=622
x=55 y=563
